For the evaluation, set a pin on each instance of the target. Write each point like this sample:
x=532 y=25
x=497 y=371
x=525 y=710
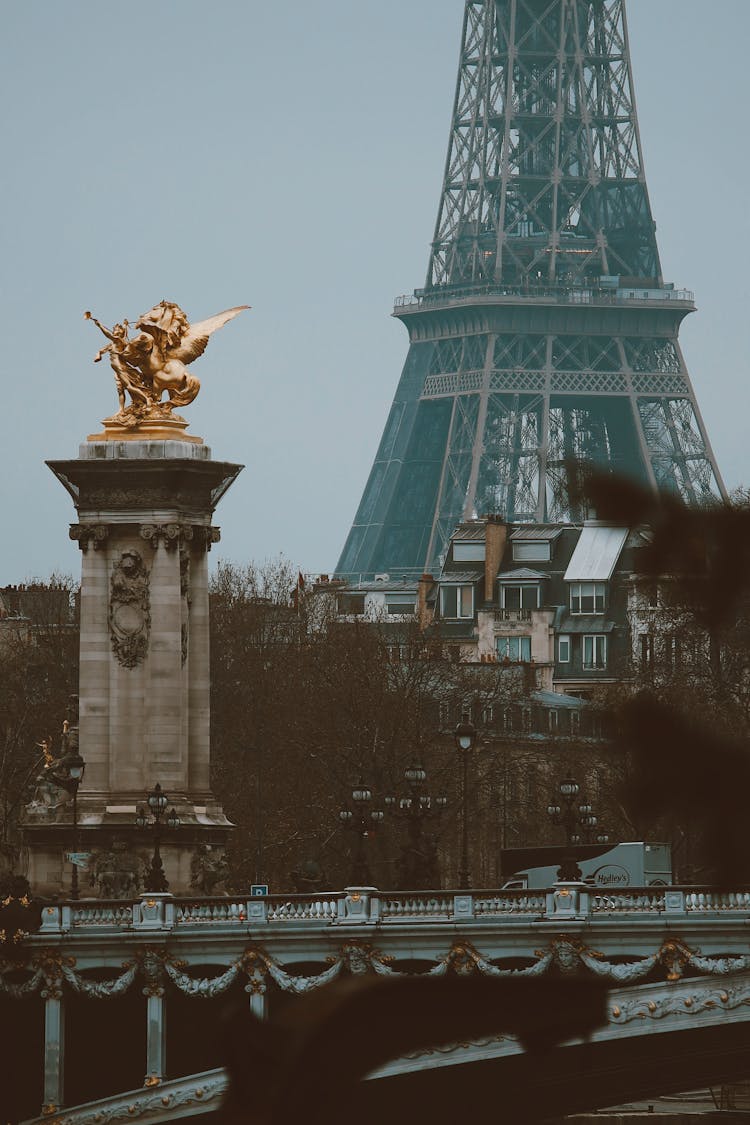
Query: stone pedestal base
x=171 y=427
x=114 y=859
x=145 y=500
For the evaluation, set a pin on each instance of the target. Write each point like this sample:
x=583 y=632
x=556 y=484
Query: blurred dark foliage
x=688 y=772
x=314 y=1054
x=690 y=768
x=707 y=549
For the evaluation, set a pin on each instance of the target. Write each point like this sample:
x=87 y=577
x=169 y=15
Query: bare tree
x=38 y=673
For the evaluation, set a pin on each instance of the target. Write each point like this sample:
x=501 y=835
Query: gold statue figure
x=156 y=360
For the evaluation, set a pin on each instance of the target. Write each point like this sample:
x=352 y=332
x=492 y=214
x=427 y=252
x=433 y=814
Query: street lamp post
x=76 y=768
x=362 y=822
x=416 y=808
x=578 y=822
x=157 y=800
x=465 y=737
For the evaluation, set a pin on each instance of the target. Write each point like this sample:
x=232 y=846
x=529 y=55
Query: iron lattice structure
x=545 y=333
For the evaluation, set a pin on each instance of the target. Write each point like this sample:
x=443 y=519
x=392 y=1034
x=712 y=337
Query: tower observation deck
x=545 y=333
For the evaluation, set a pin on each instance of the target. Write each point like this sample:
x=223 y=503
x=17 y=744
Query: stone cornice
x=140 y=485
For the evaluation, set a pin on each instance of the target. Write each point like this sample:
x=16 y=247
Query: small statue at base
x=53 y=786
x=208 y=870
x=117 y=872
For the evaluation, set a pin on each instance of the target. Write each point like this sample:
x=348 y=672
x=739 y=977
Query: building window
x=401 y=604
x=468 y=552
x=521 y=596
x=514 y=649
x=647 y=652
x=595 y=651
x=457 y=601
x=351 y=605
x=588 y=597
x=526 y=719
x=488 y=714
x=532 y=550
x=553 y=721
x=652 y=595
x=466 y=713
x=444 y=713
x=508 y=719
x=575 y=723
x=563 y=649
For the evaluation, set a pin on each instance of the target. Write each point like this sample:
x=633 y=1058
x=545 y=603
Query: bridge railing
x=367 y=905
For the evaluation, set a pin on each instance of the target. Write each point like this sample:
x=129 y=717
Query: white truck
x=635 y=864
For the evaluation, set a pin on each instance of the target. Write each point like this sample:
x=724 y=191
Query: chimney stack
x=426 y=582
x=495 y=539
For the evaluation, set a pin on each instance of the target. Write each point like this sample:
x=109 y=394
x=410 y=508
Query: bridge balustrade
x=294 y=943
x=368 y=905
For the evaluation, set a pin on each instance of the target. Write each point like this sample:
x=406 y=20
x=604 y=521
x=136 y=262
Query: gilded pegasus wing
x=194 y=342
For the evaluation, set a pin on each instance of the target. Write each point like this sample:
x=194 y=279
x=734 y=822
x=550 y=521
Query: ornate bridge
x=678 y=960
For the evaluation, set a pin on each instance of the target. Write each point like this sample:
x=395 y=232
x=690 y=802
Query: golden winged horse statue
x=156 y=360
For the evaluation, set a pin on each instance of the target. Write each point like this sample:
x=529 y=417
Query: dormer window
x=457 y=602
x=588 y=597
x=533 y=544
x=534 y=550
x=521 y=595
x=471 y=550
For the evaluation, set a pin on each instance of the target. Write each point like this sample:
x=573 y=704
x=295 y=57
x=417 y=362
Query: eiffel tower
x=545 y=332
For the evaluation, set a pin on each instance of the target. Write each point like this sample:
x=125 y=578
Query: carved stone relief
x=117 y=871
x=129 y=609
x=210 y=535
x=171 y=534
x=87 y=533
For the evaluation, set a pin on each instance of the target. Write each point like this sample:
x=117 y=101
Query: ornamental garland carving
x=129 y=610
x=49 y=970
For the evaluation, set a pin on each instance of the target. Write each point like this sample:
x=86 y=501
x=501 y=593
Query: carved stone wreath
x=129 y=610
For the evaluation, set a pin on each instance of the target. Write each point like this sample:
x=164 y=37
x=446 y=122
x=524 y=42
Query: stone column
x=156 y=1022
x=165 y=751
x=199 y=706
x=94 y=715
x=54 y=1049
x=156 y=1040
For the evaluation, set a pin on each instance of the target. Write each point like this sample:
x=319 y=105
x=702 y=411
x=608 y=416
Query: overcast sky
x=289 y=156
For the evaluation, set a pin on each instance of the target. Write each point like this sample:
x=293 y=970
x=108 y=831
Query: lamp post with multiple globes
x=157 y=801
x=578 y=822
x=76 y=767
x=362 y=821
x=465 y=736
x=416 y=808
